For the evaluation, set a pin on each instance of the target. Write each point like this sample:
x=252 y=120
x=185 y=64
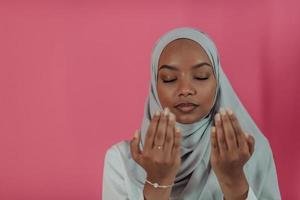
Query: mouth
x=186 y=107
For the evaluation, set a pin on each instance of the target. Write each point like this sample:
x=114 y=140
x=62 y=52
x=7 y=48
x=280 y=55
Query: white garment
x=124 y=179
x=119 y=185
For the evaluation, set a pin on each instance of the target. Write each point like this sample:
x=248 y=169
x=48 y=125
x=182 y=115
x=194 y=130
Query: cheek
x=207 y=94
x=164 y=95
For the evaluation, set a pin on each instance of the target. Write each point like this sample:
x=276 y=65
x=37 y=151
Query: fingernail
x=136 y=134
x=157 y=113
x=229 y=111
x=171 y=116
x=222 y=111
x=213 y=129
x=217 y=117
x=166 y=111
x=177 y=129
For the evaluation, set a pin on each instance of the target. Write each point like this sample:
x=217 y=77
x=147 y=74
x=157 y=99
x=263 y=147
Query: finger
x=220 y=135
x=177 y=143
x=151 y=131
x=241 y=139
x=251 y=143
x=170 y=135
x=161 y=129
x=214 y=141
x=228 y=131
x=134 y=147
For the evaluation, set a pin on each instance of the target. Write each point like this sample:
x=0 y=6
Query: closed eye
x=198 y=78
x=168 y=81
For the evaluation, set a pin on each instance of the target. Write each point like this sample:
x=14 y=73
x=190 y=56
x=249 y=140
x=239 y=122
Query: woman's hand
x=161 y=156
x=231 y=149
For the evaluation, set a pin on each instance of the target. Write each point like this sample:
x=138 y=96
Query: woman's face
x=186 y=82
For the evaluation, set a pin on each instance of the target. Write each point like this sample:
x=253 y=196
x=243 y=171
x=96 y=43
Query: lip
x=186 y=107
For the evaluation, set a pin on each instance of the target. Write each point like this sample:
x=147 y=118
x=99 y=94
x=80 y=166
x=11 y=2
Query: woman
x=189 y=146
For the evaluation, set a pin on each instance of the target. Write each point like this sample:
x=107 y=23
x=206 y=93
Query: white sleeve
x=251 y=195
x=270 y=188
x=114 y=181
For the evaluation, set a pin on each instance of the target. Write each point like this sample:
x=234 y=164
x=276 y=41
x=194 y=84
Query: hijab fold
x=195 y=148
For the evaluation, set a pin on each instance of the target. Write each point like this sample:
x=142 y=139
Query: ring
x=159 y=147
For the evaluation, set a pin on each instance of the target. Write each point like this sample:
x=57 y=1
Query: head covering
x=195 y=149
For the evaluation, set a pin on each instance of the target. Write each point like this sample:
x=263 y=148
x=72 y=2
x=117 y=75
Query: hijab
x=195 y=146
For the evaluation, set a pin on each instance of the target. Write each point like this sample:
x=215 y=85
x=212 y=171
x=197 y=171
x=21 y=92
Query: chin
x=186 y=120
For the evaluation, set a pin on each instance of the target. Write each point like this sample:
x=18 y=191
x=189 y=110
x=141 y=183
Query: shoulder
x=262 y=145
x=123 y=178
x=117 y=152
x=262 y=156
x=118 y=160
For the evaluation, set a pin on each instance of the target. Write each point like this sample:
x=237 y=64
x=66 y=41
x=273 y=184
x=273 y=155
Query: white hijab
x=195 y=169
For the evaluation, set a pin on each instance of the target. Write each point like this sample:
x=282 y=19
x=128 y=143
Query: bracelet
x=156 y=185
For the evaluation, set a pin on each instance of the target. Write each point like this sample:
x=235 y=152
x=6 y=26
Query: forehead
x=183 y=48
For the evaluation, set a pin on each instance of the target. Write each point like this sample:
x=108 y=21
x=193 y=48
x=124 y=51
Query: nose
x=186 y=90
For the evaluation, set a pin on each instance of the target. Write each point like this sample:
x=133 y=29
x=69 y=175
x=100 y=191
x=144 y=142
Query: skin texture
x=160 y=157
x=231 y=149
x=196 y=85
x=162 y=164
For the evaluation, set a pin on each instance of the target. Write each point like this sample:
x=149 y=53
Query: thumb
x=134 y=146
x=251 y=143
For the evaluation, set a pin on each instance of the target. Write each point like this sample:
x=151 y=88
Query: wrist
x=235 y=188
x=157 y=185
x=161 y=181
x=151 y=192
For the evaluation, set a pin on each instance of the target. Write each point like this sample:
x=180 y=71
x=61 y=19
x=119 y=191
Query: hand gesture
x=231 y=149
x=160 y=157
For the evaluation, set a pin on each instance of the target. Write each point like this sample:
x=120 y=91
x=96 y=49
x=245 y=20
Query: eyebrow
x=176 y=69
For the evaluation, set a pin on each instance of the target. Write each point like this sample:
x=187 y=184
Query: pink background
x=74 y=76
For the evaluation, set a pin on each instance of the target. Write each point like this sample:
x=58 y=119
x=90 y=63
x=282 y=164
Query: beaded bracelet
x=156 y=185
